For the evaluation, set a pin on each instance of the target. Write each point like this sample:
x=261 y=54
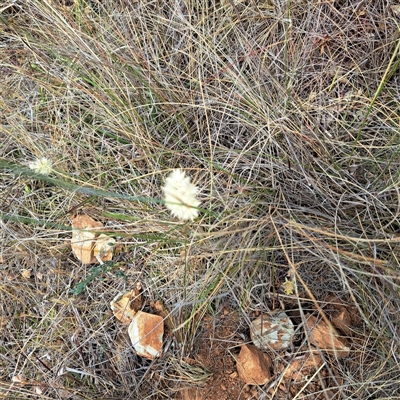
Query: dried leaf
x=396 y=9
x=342 y=320
x=81 y=221
x=341 y=317
x=103 y=248
x=38 y=390
x=82 y=244
x=87 y=245
x=326 y=338
x=20 y=379
x=26 y=273
x=125 y=306
x=83 y=238
x=160 y=309
x=302 y=366
x=4 y=321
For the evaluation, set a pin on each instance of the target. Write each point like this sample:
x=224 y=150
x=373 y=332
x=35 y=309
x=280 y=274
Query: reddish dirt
x=219 y=344
x=215 y=351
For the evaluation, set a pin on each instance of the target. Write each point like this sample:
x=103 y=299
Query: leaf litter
x=87 y=244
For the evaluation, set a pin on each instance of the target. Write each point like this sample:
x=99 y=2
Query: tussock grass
x=285 y=115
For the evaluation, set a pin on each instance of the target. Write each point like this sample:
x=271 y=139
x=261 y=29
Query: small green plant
x=94 y=273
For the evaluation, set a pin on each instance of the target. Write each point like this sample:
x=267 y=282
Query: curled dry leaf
x=87 y=245
x=125 y=306
x=83 y=238
x=82 y=246
x=326 y=338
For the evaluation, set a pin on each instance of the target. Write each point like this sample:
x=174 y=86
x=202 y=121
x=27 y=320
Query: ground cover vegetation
x=284 y=114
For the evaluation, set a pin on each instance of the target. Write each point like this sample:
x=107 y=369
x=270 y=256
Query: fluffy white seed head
x=180 y=196
x=42 y=166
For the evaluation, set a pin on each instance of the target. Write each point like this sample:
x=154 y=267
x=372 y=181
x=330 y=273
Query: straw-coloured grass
x=285 y=116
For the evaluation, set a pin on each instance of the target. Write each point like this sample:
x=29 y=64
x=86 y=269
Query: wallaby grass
x=285 y=115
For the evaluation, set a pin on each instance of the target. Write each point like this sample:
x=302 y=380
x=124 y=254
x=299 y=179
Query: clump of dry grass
x=284 y=114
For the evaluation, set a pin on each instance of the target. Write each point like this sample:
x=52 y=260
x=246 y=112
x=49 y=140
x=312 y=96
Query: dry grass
x=285 y=114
